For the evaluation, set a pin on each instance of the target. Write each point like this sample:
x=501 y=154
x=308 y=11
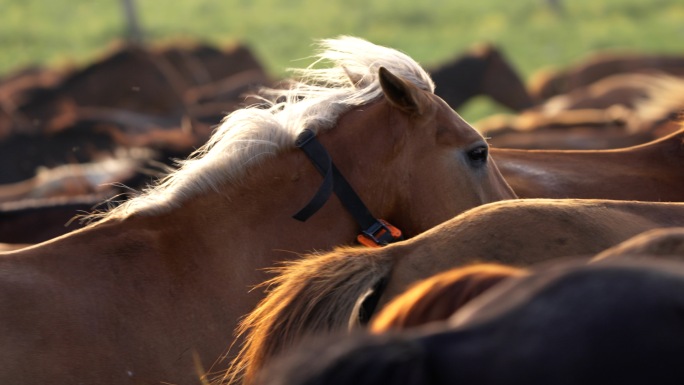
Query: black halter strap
x=374 y=232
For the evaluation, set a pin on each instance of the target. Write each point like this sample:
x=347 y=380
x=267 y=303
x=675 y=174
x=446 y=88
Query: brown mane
x=436 y=298
x=308 y=296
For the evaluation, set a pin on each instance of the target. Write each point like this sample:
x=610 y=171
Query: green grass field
x=531 y=33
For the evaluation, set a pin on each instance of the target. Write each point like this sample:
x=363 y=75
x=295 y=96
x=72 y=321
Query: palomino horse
x=156 y=286
x=568 y=323
x=331 y=291
x=648 y=172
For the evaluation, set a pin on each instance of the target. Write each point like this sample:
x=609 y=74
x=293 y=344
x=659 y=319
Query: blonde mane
x=249 y=135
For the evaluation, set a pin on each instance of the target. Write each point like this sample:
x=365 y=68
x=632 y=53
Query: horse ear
x=400 y=93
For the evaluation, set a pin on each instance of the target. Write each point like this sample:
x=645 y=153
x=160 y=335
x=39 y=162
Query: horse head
x=413 y=160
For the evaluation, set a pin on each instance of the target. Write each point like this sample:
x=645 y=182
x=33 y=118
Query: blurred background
x=98 y=97
x=533 y=34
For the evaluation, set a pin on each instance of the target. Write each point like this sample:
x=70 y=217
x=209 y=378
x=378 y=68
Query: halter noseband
x=374 y=232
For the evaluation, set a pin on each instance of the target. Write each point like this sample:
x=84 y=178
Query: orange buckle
x=379 y=234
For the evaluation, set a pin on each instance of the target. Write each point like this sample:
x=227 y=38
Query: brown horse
x=565 y=323
x=154 y=288
x=152 y=81
x=148 y=102
x=329 y=292
x=438 y=297
x=574 y=136
x=616 y=110
x=648 y=172
x=547 y=83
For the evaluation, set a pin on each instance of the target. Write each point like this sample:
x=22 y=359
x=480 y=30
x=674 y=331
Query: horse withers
x=152 y=291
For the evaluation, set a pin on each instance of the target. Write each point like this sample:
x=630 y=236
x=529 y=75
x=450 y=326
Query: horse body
x=648 y=172
x=320 y=294
x=546 y=84
x=618 y=111
x=661 y=243
x=158 y=284
x=528 y=231
x=145 y=297
x=575 y=135
x=94 y=311
x=72 y=180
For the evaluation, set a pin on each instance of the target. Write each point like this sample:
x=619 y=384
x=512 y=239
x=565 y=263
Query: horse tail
x=316 y=294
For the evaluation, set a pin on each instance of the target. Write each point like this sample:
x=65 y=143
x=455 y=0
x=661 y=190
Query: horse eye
x=478 y=155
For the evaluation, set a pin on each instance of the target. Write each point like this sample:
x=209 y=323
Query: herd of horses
x=544 y=246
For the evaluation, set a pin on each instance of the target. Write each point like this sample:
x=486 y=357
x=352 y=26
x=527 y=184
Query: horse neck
x=251 y=221
x=459 y=81
x=503 y=84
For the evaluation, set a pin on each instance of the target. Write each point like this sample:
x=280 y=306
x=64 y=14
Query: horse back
x=648 y=172
x=72 y=297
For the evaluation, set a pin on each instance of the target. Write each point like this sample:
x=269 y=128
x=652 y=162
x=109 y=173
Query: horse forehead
x=377 y=118
x=450 y=126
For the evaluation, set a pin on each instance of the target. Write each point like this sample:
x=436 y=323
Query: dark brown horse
x=151 y=292
x=168 y=99
x=136 y=79
x=483 y=70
